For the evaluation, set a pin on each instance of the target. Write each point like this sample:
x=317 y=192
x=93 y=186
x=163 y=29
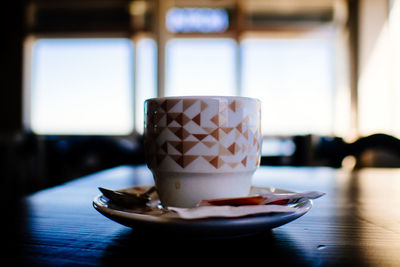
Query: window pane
x=146 y=82
x=200 y=67
x=82 y=86
x=294 y=80
x=202 y=20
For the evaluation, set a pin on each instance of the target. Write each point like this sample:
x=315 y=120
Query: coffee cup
x=202 y=147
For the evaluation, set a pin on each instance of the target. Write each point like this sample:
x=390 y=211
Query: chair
x=376 y=150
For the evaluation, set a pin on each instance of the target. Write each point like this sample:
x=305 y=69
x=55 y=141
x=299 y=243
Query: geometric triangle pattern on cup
x=192 y=132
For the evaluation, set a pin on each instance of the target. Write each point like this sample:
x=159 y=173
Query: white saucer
x=153 y=218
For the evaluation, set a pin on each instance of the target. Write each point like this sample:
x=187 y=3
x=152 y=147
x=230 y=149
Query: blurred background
x=76 y=74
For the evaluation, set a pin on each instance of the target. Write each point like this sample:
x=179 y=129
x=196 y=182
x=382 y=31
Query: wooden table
x=357 y=223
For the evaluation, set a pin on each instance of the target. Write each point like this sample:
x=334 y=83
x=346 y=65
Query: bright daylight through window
x=200 y=67
x=98 y=85
x=82 y=86
x=294 y=80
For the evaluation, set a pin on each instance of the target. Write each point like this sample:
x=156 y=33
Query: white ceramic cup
x=202 y=147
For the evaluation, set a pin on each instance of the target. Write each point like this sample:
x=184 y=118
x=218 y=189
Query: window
x=82 y=86
x=85 y=86
x=288 y=76
x=200 y=67
x=203 y=20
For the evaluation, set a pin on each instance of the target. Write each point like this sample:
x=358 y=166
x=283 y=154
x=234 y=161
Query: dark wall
x=12 y=15
x=29 y=162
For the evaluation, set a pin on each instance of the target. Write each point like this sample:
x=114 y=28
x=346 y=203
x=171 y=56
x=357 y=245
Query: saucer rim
x=213 y=226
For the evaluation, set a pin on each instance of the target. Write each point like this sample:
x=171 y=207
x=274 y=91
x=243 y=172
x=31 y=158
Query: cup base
x=177 y=189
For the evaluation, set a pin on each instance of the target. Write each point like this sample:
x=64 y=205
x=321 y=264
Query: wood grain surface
x=357 y=223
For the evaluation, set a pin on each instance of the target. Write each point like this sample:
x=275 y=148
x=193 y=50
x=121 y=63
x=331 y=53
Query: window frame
x=238 y=32
x=28 y=48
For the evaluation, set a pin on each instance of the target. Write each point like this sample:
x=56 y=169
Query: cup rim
x=200 y=97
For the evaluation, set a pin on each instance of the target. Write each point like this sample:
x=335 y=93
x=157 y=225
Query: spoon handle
x=124 y=199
